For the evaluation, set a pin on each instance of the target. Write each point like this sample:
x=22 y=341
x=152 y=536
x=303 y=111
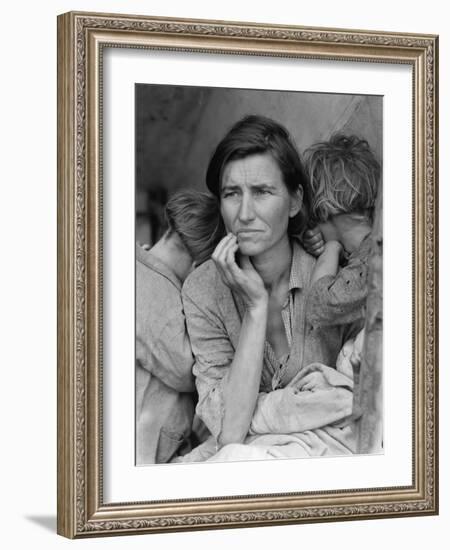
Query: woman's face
x=255 y=203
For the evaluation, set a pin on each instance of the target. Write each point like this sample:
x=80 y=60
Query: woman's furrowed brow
x=257 y=186
x=262 y=186
x=230 y=187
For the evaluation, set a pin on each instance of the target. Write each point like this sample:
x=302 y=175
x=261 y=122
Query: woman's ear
x=296 y=202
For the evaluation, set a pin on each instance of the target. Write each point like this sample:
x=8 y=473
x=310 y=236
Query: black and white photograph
x=259 y=274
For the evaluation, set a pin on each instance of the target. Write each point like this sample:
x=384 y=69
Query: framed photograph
x=247 y=286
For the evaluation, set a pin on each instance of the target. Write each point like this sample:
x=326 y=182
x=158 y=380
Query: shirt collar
x=298 y=277
x=154 y=263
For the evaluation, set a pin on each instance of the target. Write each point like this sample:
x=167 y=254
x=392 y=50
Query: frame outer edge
x=77 y=205
x=435 y=266
x=436 y=245
x=65 y=244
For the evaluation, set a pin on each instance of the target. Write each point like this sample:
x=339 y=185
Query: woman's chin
x=250 y=249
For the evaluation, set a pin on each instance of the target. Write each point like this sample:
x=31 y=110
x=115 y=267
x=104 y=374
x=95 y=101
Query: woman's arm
x=228 y=349
x=227 y=377
x=242 y=387
x=244 y=376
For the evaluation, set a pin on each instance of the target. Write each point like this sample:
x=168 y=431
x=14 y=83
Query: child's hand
x=313 y=241
x=355 y=357
x=145 y=246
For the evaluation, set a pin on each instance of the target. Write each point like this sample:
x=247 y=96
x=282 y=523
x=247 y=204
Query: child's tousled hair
x=343 y=176
x=195 y=217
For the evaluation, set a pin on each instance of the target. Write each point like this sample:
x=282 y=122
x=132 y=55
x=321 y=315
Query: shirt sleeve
x=162 y=343
x=168 y=356
x=213 y=353
x=340 y=299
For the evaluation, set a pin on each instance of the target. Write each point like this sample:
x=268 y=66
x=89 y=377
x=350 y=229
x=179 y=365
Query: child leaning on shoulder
x=343 y=177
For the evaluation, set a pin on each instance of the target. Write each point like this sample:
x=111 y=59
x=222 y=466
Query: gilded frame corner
x=81 y=37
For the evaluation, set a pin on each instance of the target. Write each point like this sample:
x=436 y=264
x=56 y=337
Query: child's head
x=195 y=218
x=343 y=175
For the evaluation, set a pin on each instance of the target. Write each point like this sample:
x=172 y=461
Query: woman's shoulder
x=205 y=295
x=204 y=281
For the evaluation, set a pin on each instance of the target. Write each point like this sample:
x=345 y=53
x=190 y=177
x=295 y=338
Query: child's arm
x=339 y=298
x=328 y=262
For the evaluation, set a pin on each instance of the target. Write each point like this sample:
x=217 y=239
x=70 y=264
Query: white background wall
x=28 y=271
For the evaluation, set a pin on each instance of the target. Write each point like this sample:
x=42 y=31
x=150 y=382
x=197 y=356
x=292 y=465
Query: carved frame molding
x=81 y=37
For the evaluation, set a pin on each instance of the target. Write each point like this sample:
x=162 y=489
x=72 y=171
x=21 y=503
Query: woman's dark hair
x=195 y=217
x=258 y=134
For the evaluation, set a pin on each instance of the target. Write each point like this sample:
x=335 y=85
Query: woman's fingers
x=217 y=254
x=224 y=257
x=234 y=273
x=221 y=251
x=244 y=279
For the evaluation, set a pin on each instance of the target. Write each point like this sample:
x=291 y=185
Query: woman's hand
x=244 y=279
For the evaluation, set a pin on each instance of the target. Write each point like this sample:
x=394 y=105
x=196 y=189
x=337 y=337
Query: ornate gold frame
x=81 y=37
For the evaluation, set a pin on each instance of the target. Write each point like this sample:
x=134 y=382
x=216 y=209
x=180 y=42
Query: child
x=165 y=390
x=343 y=178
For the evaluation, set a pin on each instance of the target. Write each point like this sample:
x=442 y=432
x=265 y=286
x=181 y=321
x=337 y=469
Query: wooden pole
x=368 y=397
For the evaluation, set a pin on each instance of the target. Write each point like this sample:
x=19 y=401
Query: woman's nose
x=246 y=210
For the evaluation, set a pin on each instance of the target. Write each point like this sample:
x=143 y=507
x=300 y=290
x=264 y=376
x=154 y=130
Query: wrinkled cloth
x=295 y=409
x=330 y=442
x=214 y=316
x=340 y=299
x=295 y=423
x=165 y=398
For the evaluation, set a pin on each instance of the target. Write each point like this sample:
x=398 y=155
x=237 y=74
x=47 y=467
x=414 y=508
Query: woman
x=245 y=308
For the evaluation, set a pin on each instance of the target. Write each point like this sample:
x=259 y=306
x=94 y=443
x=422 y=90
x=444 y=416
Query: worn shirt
x=164 y=379
x=341 y=298
x=214 y=316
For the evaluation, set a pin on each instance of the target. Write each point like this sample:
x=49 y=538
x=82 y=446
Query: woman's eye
x=228 y=194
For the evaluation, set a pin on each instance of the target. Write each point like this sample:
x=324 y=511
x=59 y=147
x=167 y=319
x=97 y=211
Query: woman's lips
x=247 y=234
